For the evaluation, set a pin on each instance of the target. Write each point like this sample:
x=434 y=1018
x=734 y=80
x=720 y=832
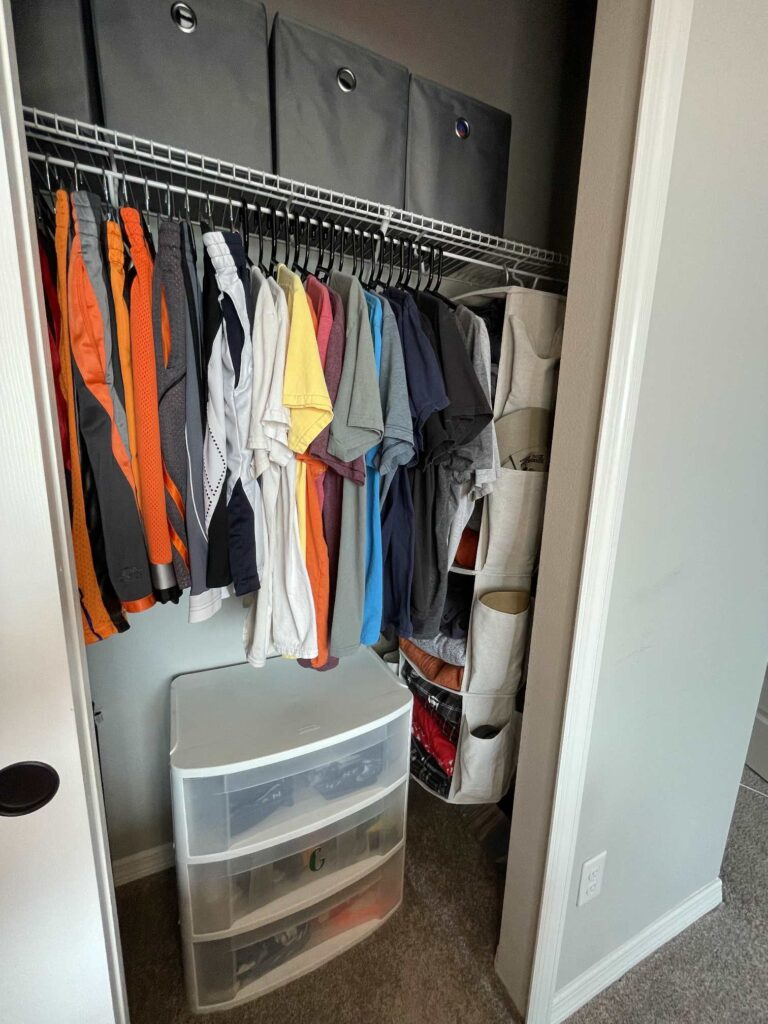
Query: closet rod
x=120 y=179
x=477 y=257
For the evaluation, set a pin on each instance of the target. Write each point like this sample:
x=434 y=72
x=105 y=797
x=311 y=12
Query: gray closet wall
x=531 y=58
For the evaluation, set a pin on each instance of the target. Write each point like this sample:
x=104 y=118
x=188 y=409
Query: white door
x=757 y=755
x=59 y=948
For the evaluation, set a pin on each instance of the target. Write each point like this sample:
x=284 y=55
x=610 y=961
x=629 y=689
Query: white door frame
x=665 y=58
x=657 y=122
x=47 y=699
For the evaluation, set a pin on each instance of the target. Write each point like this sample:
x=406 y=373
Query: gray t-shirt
x=358 y=424
x=397 y=446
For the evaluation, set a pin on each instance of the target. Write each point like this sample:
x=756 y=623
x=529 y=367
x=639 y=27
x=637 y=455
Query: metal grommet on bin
x=462 y=128
x=346 y=79
x=184 y=17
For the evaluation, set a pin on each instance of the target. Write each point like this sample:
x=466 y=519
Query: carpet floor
x=716 y=972
x=433 y=960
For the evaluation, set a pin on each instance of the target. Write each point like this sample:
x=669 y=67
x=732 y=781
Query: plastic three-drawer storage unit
x=289 y=800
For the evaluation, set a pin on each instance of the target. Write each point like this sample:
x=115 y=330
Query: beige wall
x=617 y=64
x=685 y=645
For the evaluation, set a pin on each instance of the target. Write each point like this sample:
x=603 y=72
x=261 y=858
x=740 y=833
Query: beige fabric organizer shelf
x=508 y=548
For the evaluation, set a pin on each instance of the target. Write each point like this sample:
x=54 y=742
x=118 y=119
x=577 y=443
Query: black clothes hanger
x=208 y=224
x=187 y=219
x=439 y=270
x=419 y=266
x=342 y=246
x=260 y=232
x=244 y=228
x=354 y=252
x=296 y=234
x=362 y=257
x=309 y=237
x=287 y=239
x=431 y=275
x=374 y=278
x=408 y=266
x=401 y=263
x=390 y=268
x=273 y=251
x=322 y=272
x=320 y=247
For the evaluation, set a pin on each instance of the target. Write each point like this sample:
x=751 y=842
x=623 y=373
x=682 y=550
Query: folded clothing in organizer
x=425 y=768
x=434 y=669
x=452 y=650
x=524 y=439
x=466 y=552
x=427 y=730
x=446 y=707
x=458 y=605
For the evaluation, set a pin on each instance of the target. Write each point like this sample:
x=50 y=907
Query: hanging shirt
x=358 y=426
x=436 y=491
x=337 y=471
x=468 y=410
x=304 y=389
x=116 y=258
x=397 y=445
x=407 y=576
x=100 y=610
x=169 y=325
x=314 y=458
x=100 y=435
x=203 y=603
x=426 y=390
x=230 y=370
x=218 y=576
x=282 y=618
x=477 y=477
x=373 y=586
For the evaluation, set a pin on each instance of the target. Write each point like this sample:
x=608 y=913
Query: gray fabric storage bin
x=458 y=157
x=54 y=50
x=343 y=131
x=204 y=90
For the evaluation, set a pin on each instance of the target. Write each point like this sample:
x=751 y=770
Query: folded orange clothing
x=431 y=668
x=466 y=553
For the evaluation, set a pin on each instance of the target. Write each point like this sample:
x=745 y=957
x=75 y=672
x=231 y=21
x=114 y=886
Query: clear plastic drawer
x=263 y=886
x=288 y=798
x=249 y=964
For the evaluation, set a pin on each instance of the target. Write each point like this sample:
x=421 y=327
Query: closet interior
x=305 y=298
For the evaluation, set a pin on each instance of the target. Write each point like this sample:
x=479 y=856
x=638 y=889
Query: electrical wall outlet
x=591 y=878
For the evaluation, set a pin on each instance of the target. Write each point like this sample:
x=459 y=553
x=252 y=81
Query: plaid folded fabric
x=428 y=730
x=427 y=770
x=443 y=705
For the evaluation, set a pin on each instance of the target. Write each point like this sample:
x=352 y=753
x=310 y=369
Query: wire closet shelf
x=204 y=189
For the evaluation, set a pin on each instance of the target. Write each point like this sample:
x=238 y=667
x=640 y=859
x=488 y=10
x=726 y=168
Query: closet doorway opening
x=458 y=832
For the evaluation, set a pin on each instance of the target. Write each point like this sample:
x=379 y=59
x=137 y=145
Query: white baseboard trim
x=143 y=863
x=579 y=991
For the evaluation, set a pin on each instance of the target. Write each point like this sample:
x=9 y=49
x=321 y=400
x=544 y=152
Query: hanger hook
x=168 y=207
x=48 y=171
x=146 y=196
